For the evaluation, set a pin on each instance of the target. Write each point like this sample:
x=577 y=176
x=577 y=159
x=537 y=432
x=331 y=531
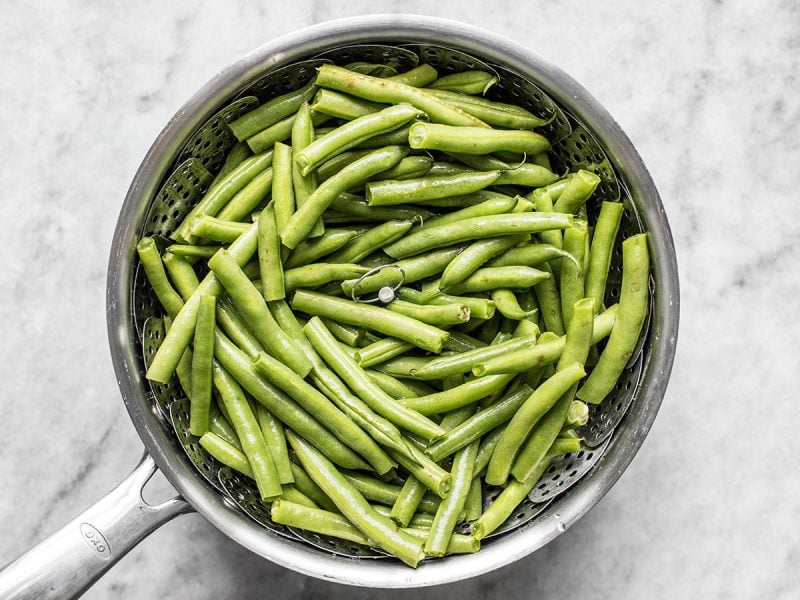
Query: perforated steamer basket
x=173 y=176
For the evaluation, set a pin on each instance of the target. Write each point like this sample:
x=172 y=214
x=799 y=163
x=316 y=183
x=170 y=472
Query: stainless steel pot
x=68 y=562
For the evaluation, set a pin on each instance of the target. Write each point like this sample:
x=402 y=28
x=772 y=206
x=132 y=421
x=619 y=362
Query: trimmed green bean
x=154 y=269
x=248 y=198
x=409 y=168
x=316 y=520
x=303 y=220
x=387 y=322
x=358 y=380
x=419 y=76
x=236 y=156
x=380 y=351
x=182 y=274
x=465 y=82
x=282 y=185
x=226 y=453
x=438 y=315
x=496 y=114
x=398 y=389
x=530 y=255
x=368 y=242
x=355 y=206
x=508 y=306
x=376 y=527
x=352 y=133
x=436 y=478
x=430 y=187
x=473 y=507
x=479 y=424
x=633 y=301
x=250 y=303
x=249 y=433
x=480 y=308
x=392 y=92
x=275 y=439
x=202 y=355
x=343 y=106
x=572 y=275
x=304 y=185
x=236 y=329
x=407 y=501
x=474 y=140
x=476 y=255
x=467 y=393
x=491 y=278
x=304 y=484
x=476 y=228
x=550 y=302
x=216 y=230
x=577 y=414
x=605 y=233
x=269 y=254
x=189 y=251
x=317 y=274
x=526 y=174
x=310 y=250
x=279 y=132
x=219 y=425
x=321 y=407
x=271 y=112
x=576 y=192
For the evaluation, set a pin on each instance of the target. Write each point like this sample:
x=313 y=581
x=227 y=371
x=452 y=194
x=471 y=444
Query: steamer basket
x=173 y=177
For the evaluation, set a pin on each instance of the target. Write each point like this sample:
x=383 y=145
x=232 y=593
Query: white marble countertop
x=709 y=94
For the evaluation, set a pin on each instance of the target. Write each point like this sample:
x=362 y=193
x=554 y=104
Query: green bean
x=407 y=501
x=422 y=189
x=476 y=255
x=380 y=351
x=303 y=220
x=488 y=444
x=248 y=198
x=446 y=516
x=467 y=201
x=577 y=191
x=316 y=520
x=279 y=132
x=480 y=308
x=526 y=174
x=550 y=302
x=304 y=185
x=633 y=301
x=308 y=251
x=250 y=303
x=271 y=112
x=506 y=302
x=320 y=406
x=290 y=494
x=419 y=76
x=491 y=278
x=476 y=228
x=373 y=489
x=182 y=274
x=355 y=377
x=236 y=156
x=543 y=160
x=343 y=106
x=409 y=168
x=188 y=251
x=269 y=254
x=577 y=414
x=200 y=407
x=317 y=274
x=413 y=269
x=282 y=187
x=374 y=69
x=465 y=394
x=543 y=202
x=439 y=315
x=378 y=319
x=530 y=255
x=398 y=136
x=478 y=424
x=236 y=329
x=352 y=133
x=180 y=334
x=572 y=274
x=226 y=453
x=250 y=436
x=474 y=140
x=336 y=163
x=347 y=334
x=544 y=353
x=216 y=230
x=392 y=92
x=366 y=243
x=465 y=82
x=605 y=232
x=154 y=269
x=576 y=349
x=376 y=527
x=496 y=114
x=398 y=389
x=219 y=425
x=281 y=406
x=473 y=507
x=525 y=419
x=218 y=196
x=358 y=207
x=275 y=439
x=461 y=342
x=425 y=470
x=304 y=483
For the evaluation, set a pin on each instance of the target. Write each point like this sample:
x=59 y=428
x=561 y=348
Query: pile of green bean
x=373 y=418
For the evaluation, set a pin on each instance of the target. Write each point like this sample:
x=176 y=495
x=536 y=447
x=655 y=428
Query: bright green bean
x=226 y=453
x=496 y=114
x=529 y=255
x=577 y=414
x=271 y=112
x=476 y=255
x=220 y=426
x=467 y=393
x=310 y=250
x=368 y=242
x=269 y=255
x=343 y=106
x=306 y=485
x=303 y=220
x=398 y=389
x=316 y=520
x=154 y=269
x=577 y=192
x=236 y=156
x=380 y=351
x=409 y=168
x=605 y=233
x=465 y=82
x=429 y=187
x=437 y=479
x=474 y=140
x=352 y=133
x=476 y=228
x=376 y=527
x=248 y=198
x=480 y=308
x=250 y=303
x=182 y=274
x=550 y=302
x=572 y=275
x=304 y=185
x=216 y=230
x=491 y=278
x=355 y=206
x=317 y=274
x=419 y=76
x=633 y=301
x=202 y=355
x=438 y=315
x=392 y=92
x=188 y=251
x=250 y=436
x=407 y=501
x=378 y=319
x=506 y=302
x=473 y=507
x=275 y=439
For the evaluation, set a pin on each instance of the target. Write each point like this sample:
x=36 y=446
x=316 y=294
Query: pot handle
x=68 y=562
